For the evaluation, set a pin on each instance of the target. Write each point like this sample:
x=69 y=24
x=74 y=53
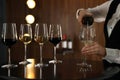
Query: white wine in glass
x=41 y=37
x=26 y=37
x=87 y=35
x=9 y=38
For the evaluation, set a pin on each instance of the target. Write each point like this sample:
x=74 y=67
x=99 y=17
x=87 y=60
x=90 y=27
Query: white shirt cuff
x=112 y=55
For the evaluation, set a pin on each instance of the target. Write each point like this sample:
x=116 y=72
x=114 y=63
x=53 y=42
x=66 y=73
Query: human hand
x=93 y=48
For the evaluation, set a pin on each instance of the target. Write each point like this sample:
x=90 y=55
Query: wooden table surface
x=67 y=70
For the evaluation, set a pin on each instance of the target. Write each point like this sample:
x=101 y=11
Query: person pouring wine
x=108 y=12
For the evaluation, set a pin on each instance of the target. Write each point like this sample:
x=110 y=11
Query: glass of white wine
x=87 y=37
x=26 y=37
x=41 y=37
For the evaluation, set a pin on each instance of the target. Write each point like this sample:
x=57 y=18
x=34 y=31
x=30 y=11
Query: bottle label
x=70 y=45
x=64 y=44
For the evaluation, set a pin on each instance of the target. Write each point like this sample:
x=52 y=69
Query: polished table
x=67 y=70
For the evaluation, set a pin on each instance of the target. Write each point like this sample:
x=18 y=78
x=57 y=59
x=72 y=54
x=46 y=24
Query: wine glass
x=87 y=37
x=55 y=36
x=9 y=37
x=26 y=37
x=41 y=36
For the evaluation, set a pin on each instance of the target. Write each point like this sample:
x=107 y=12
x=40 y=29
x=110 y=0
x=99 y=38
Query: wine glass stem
x=40 y=54
x=9 y=61
x=41 y=61
x=55 y=61
x=84 y=59
x=25 y=59
x=55 y=53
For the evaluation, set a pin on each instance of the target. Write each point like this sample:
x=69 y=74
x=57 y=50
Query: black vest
x=114 y=40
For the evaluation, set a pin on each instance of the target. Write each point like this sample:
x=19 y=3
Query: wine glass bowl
x=9 y=38
x=87 y=35
x=41 y=33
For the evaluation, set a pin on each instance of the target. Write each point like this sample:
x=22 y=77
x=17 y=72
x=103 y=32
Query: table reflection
x=30 y=69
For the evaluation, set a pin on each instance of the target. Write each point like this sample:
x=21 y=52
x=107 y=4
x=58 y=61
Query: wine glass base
x=84 y=67
x=41 y=65
x=9 y=66
x=24 y=62
x=55 y=61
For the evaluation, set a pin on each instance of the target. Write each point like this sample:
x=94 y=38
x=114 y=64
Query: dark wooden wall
x=3 y=54
x=51 y=11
